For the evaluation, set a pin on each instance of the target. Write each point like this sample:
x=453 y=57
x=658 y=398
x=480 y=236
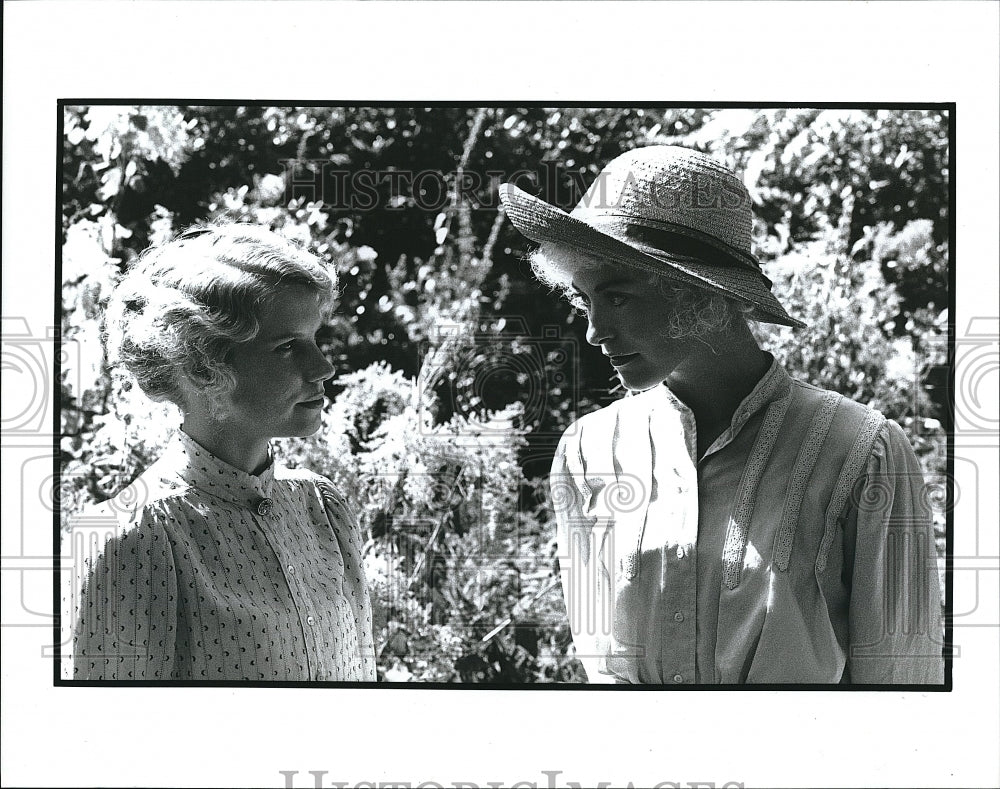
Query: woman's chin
x=638 y=383
x=303 y=427
x=311 y=430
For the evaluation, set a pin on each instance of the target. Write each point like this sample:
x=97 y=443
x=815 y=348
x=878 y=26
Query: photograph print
x=524 y=397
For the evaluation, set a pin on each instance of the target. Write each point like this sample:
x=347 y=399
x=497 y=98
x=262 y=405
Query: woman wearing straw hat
x=723 y=523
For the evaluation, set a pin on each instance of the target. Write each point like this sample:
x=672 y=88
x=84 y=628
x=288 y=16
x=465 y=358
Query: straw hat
x=664 y=210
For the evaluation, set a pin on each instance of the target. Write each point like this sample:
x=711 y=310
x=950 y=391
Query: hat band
x=679 y=242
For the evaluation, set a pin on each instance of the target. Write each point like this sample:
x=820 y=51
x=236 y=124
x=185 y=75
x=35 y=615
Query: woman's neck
x=714 y=383
x=248 y=454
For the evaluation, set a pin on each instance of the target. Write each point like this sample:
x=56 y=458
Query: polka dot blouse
x=215 y=574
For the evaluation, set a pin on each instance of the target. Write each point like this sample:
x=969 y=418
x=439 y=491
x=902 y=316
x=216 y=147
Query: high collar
x=200 y=469
x=774 y=385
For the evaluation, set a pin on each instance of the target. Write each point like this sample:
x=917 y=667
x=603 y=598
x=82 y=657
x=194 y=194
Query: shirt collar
x=200 y=469
x=772 y=386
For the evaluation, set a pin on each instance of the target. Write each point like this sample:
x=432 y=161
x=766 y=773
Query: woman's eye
x=285 y=347
x=617 y=299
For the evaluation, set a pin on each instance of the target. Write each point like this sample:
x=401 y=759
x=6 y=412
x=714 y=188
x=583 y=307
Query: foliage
x=452 y=382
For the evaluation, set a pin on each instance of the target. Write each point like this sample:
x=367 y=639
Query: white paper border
x=489 y=53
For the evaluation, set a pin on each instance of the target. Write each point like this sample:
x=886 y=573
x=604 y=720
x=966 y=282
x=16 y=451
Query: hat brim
x=543 y=222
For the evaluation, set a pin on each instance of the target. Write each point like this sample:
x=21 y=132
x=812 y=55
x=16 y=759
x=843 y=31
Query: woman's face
x=626 y=315
x=280 y=374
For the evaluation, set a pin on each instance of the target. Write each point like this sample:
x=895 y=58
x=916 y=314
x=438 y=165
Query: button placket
x=302 y=598
x=678 y=644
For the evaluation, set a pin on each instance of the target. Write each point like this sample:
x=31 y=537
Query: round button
x=678 y=617
x=291 y=569
x=310 y=620
x=680 y=552
x=265 y=506
x=678 y=678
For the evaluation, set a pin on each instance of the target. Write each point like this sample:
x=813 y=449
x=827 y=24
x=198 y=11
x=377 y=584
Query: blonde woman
x=228 y=566
x=724 y=523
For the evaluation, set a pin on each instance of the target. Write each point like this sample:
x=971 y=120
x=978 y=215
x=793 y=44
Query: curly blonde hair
x=185 y=305
x=694 y=312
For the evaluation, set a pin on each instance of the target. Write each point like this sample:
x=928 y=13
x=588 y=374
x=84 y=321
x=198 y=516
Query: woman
x=724 y=523
x=229 y=566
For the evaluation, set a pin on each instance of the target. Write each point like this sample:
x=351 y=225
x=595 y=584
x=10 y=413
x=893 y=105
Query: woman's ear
x=202 y=401
x=218 y=405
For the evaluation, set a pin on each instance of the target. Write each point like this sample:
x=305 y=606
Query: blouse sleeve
x=895 y=614
x=126 y=613
x=348 y=533
x=584 y=579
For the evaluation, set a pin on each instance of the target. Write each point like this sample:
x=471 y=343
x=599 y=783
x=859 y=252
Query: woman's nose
x=597 y=330
x=319 y=366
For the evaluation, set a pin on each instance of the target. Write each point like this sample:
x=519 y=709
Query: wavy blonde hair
x=185 y=305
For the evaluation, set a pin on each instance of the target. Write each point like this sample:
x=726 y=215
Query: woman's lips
x=317 y=403
x=620 y=360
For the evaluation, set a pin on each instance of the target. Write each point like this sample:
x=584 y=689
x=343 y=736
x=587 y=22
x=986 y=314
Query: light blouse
x=216 y=574
x=798 y=549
